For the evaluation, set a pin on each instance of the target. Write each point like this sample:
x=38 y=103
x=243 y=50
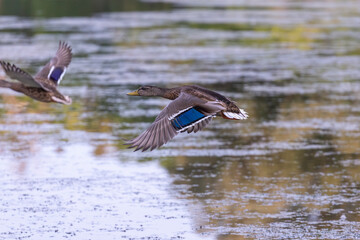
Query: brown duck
x=192 y=109
x=43 y=86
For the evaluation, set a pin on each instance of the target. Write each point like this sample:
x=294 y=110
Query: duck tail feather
x=5 y=84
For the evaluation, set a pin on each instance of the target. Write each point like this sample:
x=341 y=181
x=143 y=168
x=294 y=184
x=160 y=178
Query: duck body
x=38 y=94
x=43 y=86
x=209 y=95
x=192 y=109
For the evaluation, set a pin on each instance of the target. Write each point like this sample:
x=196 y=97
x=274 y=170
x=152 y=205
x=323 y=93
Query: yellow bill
x=134 y=93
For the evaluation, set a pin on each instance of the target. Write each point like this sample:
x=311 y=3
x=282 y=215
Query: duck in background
x=191 y=110
x=43 y=86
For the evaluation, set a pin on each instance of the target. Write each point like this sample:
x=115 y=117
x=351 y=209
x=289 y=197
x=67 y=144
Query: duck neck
x=169 y=93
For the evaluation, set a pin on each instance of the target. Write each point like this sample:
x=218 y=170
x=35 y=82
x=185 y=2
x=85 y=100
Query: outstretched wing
x=199 y=126
x=55 y=69
x=17 y=73
x=185 y=113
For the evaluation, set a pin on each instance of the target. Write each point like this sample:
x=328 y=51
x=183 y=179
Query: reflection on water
x=290 y=171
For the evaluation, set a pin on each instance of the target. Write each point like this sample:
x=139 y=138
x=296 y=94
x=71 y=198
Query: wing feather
x=59 y=62
x=201 y=125
x=161 y=130
x=144 y=138
x=149 y=142
x=17 y=73
x=190 y=129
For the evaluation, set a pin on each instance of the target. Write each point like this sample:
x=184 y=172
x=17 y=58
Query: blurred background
x=290 y=171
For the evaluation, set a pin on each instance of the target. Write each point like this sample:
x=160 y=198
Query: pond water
x=290 y=171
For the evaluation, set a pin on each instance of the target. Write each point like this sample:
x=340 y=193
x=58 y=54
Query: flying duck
x=43 y=86
x=191 y=110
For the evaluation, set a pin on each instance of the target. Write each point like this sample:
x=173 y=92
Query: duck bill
x=134 y=93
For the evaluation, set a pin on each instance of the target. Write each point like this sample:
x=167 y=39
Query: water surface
x=291 y=171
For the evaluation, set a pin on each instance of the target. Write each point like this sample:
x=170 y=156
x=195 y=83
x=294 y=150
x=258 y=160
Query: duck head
x=148 y=91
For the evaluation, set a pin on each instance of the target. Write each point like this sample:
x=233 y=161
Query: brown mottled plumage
x=43 y=86
x=192 y=109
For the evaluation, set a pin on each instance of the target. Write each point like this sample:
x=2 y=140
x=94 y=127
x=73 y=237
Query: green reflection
x=61 y=8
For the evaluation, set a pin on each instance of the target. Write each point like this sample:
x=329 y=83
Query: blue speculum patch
x=56 y=74
x=186 y=118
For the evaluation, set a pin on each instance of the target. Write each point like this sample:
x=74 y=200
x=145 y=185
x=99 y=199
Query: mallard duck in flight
x=43 y=86
x=192 y=109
